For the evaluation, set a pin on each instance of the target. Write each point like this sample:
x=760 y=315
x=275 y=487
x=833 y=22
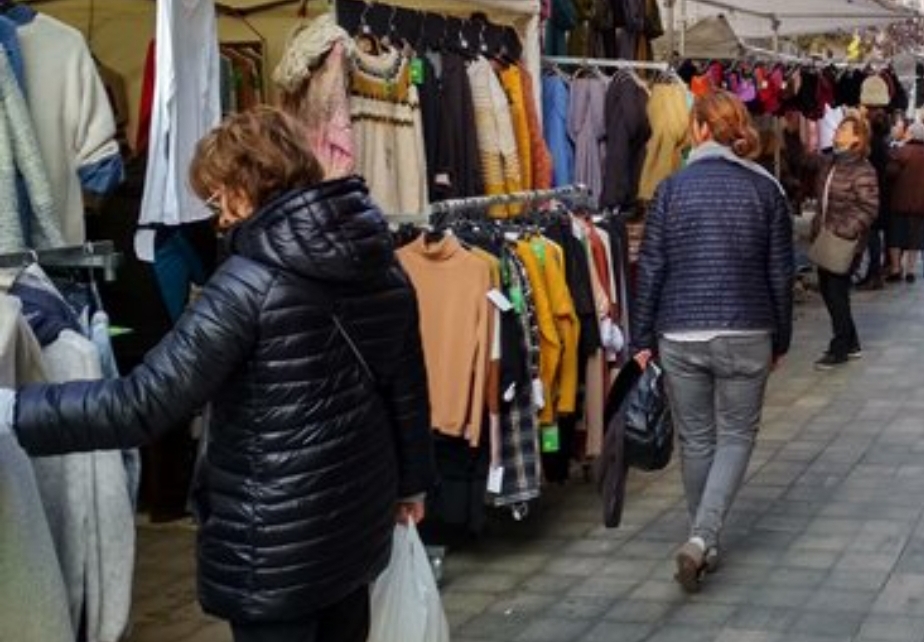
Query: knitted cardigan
x=19 y=150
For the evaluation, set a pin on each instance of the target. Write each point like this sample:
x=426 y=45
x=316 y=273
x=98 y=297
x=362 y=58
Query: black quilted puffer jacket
x=306 y=454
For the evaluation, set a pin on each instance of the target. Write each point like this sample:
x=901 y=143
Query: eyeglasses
x=213 y=203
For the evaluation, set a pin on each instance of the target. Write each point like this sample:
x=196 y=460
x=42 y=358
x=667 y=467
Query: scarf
x=710 y=150
x=19 y=150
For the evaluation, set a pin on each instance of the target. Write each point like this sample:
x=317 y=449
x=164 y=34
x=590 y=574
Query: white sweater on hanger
x=187 y=105
x=73 y=120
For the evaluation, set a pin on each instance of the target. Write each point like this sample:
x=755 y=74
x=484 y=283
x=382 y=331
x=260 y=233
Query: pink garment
x=322 y=104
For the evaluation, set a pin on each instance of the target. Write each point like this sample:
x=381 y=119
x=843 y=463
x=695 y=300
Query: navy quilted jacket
x=306 y=456
x=717 y=255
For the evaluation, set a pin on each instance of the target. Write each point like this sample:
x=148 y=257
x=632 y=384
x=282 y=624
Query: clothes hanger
x=366 y=35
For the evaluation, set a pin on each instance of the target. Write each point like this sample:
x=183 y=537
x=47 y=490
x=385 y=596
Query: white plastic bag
x=406 y=604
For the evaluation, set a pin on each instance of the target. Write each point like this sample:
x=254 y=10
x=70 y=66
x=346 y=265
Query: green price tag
x=539 y=250
x=516 y=298
x=417 y=71
x=550 y=439
x=117 y=331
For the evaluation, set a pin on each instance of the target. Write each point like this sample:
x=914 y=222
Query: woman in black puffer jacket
x=306 y=342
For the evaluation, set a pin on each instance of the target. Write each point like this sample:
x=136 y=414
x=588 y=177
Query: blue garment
x=43 y=307
x=717 y=255
x=20 y=14
x=176 y=266
x=10 y=43
x=103 y=176
x=556 y=97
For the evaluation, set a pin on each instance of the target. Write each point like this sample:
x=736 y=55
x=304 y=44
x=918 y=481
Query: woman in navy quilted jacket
x=306 y=342
x=714 y=299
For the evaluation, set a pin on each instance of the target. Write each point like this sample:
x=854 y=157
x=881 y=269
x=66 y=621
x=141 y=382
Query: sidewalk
x=825 y=543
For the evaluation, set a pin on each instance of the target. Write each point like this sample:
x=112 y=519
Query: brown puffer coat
x=853 y=199
x=906 y=171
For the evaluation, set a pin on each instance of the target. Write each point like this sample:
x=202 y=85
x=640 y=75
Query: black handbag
x=649 y=429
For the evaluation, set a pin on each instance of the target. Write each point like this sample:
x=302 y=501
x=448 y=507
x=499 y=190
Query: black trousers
x=835 y=290
x=343 y=621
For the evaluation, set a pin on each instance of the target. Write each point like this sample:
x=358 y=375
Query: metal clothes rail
x=612 y=63
x=441 y=211
x=97 y=255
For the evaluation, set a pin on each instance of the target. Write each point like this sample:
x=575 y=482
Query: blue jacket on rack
x=717 y=254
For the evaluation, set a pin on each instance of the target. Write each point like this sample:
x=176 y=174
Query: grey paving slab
x=892 y=628
x=825 y=542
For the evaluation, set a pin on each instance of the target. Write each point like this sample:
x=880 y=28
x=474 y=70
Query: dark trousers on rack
x=343 y=621
x=835 y=290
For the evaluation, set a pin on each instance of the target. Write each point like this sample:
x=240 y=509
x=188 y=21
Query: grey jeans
x=716 y=390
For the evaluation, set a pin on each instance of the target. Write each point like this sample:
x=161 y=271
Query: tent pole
x=671 y=36
x=777 y=121
x=683 y=28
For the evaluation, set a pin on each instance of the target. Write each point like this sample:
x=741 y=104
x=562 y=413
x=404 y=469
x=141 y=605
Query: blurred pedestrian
x=714 y=299
x=848 y=196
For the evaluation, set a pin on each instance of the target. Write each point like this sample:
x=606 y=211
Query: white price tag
x=538 y=394
x=502 y=302
x=496 y=479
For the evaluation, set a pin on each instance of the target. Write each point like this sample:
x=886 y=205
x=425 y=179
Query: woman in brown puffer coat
x=906 y=173
x=848 y=197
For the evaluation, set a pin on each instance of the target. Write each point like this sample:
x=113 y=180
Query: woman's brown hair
x=729 y=122
x=861 y=127
x=261 y=153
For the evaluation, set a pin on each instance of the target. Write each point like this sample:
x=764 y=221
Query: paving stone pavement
x=825 y=542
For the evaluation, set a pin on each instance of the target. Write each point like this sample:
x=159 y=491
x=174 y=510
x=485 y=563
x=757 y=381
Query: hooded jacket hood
x=330 y=232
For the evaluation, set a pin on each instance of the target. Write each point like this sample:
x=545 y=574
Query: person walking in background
x=875 y=98
x=906 y=176
x=714 y=298
x=306 y=341
x=848 y=195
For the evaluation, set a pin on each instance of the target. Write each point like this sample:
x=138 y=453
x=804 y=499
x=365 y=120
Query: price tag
x=538 y=394
x=417 y=71
x=516 y=298
x=499 y=300
x=539 y=250
x=496 y=479
x=551 y=442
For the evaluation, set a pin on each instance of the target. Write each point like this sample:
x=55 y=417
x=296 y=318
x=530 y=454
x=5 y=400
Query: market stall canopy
x=755 y=18
x=709 y=38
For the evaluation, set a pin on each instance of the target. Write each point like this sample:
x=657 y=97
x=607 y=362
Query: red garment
x=601 y=263
x=147 y=103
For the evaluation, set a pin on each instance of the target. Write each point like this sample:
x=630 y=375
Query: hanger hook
x=363 y=25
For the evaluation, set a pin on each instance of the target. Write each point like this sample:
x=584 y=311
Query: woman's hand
x=410 y=511
x=642 y=358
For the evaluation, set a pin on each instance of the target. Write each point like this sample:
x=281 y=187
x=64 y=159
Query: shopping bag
x=831 y=252
x=406 y=604
x=649 y=430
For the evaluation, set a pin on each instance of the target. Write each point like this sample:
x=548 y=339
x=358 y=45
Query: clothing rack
x=612 y=63
x=95 y=255
x=442 y=211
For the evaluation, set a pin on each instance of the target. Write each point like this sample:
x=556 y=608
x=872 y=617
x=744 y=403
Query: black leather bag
x=649 y=429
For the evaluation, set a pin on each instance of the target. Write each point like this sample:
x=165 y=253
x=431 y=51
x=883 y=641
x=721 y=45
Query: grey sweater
x=33 y=601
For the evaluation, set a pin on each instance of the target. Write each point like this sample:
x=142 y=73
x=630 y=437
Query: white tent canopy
x=710 y=37
x=756 y=18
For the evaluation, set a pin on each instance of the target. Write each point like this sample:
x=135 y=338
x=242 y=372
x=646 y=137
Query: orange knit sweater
x=455 y=325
